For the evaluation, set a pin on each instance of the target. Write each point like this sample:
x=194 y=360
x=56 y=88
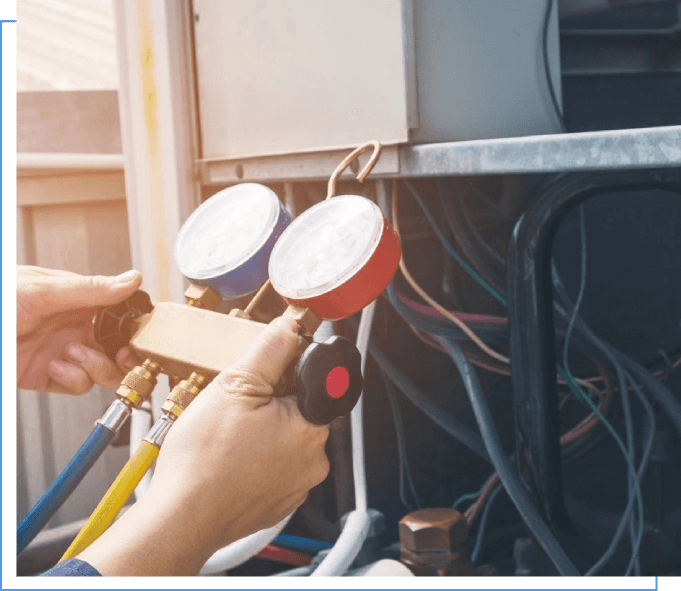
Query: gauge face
x=325 y=246
x=226 y=230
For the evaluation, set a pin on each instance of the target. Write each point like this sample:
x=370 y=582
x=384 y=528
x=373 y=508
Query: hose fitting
x=139 y=383
x=182 y=395
x=158 y=432
x=115 y=416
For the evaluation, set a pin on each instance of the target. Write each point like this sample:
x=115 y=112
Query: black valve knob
x=113 y=324
x=329 y=380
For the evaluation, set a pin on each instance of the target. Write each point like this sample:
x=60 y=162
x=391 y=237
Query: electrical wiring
x=465 y=235
x=441 y=309
x=422 y=401
x=484 y=520
x=547 y=67
x=471 y=318
x=629 y=428
x=403 y=462
x=467 y=497
x=515 y=488
x=471 y=226
x=497 y=333
x=579 y=431
x=438 y=232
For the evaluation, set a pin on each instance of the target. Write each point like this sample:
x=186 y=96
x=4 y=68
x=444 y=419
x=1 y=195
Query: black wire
x=514 y=487
x=404 y=470
x=547 y=67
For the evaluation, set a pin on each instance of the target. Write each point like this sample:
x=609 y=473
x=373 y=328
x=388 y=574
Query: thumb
x=68 y=292
x=276 y=347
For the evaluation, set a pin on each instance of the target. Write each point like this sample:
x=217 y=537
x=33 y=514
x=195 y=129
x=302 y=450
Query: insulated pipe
x=357 y=525
x=530 y=309
x=64 y=485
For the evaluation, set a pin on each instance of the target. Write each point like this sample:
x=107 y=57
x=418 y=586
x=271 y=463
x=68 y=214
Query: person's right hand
x=238 y=460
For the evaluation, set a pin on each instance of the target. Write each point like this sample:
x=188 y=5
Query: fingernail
x=126 y=277
x=57 y=367
x=129 y=361
x=292 y=324
x=76 y=352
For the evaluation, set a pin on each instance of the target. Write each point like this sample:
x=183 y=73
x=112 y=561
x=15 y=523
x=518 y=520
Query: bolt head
x=433 y=530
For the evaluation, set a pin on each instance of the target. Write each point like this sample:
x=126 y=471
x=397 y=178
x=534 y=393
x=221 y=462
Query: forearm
x=147 y=541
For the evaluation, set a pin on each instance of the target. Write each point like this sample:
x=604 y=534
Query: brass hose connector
x=138 y=384
x=182 y=395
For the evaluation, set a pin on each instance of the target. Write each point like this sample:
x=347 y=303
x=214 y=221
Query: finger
x=69 y=291
x=316 y=434
x=98 y=366
x=127 y=360
x=276 y=347
x=72 y=378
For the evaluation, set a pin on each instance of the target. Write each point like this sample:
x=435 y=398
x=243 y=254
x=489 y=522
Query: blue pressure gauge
x=225 y=244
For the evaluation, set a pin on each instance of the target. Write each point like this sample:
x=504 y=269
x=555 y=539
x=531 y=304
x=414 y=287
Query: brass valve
x=138 y=384
x=182 y=395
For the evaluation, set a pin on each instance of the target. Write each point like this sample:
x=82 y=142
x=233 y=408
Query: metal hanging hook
x=351 y=157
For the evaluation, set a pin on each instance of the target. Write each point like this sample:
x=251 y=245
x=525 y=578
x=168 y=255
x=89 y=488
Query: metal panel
x=307 y=166
x=280 y=76
x=480 y=69
x=654 y=147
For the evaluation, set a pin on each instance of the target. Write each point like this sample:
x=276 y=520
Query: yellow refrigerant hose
x=115 y=498
x=134 y=470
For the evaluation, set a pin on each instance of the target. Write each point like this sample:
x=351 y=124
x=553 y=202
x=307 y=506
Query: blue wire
x=301 y=544
x=63 y=486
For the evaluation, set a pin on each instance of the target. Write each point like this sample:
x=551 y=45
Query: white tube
x=356 y=528
x=242 y=550
x=301 y=571
x=140 y=423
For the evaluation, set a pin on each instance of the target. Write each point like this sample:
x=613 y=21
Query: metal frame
x=655 y=147
x=530 y=309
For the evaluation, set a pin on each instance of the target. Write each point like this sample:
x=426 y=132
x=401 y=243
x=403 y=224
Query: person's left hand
x=56 y=350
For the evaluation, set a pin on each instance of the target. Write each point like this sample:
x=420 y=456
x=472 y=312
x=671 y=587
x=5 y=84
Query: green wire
x=567 y=376
x=457 y=257
x=577 y=390
x=467 y=497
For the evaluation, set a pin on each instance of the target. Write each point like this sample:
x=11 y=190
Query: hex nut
x=433 y=530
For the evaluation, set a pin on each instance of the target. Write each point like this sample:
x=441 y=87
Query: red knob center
x=337 y=382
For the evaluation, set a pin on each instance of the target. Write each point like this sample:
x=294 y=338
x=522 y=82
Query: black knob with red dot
x=329 y=380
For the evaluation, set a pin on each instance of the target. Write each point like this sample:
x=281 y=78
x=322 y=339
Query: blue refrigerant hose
x=63 y=486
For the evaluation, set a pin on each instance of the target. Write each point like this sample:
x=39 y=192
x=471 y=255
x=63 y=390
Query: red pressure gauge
x=336 y=257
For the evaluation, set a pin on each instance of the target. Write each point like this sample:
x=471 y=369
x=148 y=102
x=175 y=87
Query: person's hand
x=238 y=460
x=56 y=350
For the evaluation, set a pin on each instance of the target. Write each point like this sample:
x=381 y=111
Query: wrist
x=149 y=541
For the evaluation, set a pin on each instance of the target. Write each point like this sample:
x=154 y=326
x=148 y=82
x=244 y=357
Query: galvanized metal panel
x=276 y=76
x=598 y=150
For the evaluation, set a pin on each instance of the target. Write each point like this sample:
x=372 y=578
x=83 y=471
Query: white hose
x=356 y=529
x=242 y=550
x=140 y=423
